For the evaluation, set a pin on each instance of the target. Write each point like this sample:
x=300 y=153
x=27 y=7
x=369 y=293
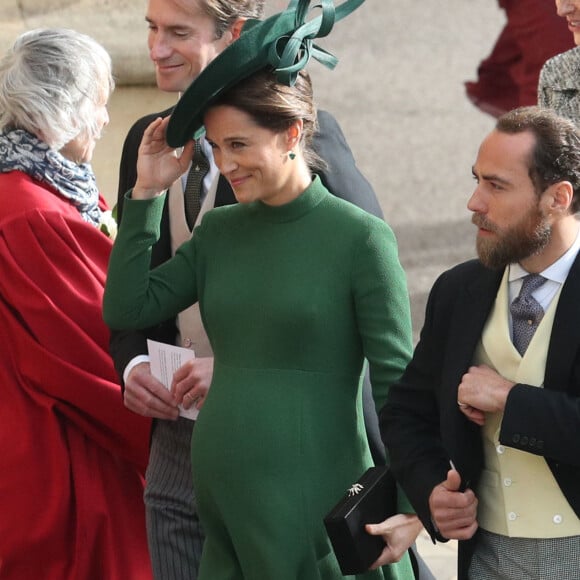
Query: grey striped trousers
x=504 y=558
x=174 y=532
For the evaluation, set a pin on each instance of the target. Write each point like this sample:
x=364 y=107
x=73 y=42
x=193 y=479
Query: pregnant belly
x=277 y=421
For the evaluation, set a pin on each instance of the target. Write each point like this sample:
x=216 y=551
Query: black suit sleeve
x=421 y=423
x=128 y=164
x=342 y=177
x=409 y=421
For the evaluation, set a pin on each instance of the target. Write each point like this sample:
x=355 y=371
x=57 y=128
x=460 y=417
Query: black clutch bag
x=370 y=500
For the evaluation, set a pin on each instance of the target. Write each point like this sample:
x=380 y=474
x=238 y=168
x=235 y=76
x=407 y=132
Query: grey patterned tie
x=193 y=185
x=526 y=312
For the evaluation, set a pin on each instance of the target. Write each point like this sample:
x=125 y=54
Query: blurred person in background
x=508 y=77
x=559 y=86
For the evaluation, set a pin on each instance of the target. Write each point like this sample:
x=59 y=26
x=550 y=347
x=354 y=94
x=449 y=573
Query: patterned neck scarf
x=22 y=151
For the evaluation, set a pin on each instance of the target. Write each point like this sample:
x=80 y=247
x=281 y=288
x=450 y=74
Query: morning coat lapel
x=472 y=309
x=565 y=338
x=472 y=306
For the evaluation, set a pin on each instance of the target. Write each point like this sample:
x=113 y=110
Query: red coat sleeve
x=52 y=275
x=73 y=457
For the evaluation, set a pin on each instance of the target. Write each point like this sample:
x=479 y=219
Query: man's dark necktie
x=526 y=312
x=193 y=185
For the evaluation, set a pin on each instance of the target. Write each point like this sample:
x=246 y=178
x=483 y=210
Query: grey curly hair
x=51 y=83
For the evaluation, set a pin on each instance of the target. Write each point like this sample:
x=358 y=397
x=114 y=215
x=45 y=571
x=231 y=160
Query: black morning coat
x=422 y=425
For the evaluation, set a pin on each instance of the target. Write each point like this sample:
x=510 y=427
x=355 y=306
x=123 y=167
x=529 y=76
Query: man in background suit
x=484 y=437
x=184 y=36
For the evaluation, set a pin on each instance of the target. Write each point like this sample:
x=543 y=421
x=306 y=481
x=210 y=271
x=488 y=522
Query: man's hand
x=399 y=532
x=481 y=391
x=191 y=382
x=453 y=512
x=145 y=395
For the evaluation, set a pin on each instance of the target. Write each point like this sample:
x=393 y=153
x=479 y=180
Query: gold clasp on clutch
x=355 y=489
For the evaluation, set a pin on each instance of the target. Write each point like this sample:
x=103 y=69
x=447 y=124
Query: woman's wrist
x=140 y=192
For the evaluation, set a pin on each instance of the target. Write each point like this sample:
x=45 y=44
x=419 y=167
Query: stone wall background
x=117 y=24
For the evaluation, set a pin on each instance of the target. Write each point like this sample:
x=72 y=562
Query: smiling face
x=182 y=42
x=255 y=160
x=570 y=10
x=512 y=224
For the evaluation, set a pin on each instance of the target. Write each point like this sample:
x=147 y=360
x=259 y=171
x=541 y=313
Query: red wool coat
x=72 y=458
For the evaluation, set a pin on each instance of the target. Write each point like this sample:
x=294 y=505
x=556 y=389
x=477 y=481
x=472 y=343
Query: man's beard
x=522 y=240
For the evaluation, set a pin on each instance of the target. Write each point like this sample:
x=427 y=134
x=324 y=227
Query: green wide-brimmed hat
x=283 y=42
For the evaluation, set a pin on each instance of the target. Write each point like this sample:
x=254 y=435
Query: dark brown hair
x=556 y=153
x=276 y=106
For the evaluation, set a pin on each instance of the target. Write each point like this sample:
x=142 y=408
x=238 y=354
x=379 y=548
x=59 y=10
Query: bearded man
x=483 y=429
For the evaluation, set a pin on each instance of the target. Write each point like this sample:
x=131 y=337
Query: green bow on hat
x=283 y=42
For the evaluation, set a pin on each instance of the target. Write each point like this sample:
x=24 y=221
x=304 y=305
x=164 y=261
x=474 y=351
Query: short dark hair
x=556 y=153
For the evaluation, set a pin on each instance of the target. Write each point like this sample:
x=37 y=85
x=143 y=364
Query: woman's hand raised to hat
x=158 y=164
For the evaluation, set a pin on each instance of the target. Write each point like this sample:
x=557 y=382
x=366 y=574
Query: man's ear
x=236 y=28
x=560 y=196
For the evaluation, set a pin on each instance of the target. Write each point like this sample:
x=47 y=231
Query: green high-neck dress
x=293 y=299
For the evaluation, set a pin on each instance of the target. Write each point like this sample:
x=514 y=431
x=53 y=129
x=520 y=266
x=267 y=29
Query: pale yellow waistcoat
x=191 y=331
x=518 y=495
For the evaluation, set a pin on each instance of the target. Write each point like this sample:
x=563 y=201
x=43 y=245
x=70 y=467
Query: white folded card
x=165 y=359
